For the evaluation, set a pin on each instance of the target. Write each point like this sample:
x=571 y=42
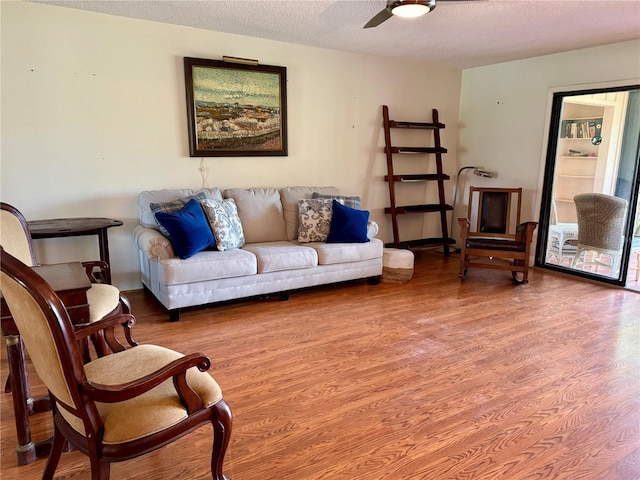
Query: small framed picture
x=235 y=109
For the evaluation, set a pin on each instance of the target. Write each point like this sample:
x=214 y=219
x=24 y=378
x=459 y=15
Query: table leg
x=27 y=451
x=103 y=241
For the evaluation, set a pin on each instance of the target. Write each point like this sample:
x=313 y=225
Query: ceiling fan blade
x=379 y=18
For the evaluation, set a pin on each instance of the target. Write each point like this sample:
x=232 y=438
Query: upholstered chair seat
x=103 y=299
x=151 y=412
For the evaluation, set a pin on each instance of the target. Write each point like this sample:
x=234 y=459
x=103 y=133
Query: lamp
x=481 y=173
x=412 y=8
x=476 y=171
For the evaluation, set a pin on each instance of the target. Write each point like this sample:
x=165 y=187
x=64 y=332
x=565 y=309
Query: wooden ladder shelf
x=391 y=178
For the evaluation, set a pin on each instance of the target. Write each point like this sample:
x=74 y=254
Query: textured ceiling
x=460 y=34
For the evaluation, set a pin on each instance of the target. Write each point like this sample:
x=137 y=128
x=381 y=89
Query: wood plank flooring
x=430 y=379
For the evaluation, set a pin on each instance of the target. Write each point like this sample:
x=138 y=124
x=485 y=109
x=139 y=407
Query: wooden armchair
x=106 y=304
x=119 y=406
x=103 y=299
x=492 y=230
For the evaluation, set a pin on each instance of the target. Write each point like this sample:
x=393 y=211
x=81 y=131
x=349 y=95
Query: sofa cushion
x=279 y=256
x=330 y=253
x=289 y=197
x=225 y=223
x=351 y=202
x=347 y=224
x=188 y=229
x=315 y=220
x=146 y=198
x=207 y=265
x=260 y=212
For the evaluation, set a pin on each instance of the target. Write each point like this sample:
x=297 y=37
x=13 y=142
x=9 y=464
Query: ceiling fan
x=403 y=8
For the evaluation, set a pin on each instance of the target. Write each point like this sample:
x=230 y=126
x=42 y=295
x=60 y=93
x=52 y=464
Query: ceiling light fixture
x=412 y=8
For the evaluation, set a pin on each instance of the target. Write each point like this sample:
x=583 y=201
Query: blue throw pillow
x=348 y=225
x=188 y=229
x=174 y=206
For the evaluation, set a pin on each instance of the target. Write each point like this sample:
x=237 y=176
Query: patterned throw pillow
x=225 y=223
x=351 y=202
x=315 y=220
x=173 y=206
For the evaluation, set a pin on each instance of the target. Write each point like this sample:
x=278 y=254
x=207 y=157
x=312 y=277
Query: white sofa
x=272 y=259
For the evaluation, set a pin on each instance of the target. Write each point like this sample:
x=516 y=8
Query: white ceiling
x=460 y=34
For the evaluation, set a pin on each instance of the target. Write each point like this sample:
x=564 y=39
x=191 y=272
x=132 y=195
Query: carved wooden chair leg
x=222 y=421
x=57 y=447
x=100 y=470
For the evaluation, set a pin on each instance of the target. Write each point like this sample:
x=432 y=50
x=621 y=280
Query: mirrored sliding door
x=588 y=222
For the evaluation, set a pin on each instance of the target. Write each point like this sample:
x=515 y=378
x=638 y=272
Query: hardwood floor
x=430 y=379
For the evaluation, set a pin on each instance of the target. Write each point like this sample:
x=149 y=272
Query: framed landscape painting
x=235 y=109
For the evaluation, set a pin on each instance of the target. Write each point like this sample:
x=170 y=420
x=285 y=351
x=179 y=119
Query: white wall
x=504 y=113
x=93 y=111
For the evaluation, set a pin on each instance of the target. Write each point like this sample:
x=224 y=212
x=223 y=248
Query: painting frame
x=235 y=109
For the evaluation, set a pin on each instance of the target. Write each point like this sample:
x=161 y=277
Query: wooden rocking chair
x=492 y=229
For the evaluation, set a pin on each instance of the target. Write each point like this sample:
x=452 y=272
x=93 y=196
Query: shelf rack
x=439 y=177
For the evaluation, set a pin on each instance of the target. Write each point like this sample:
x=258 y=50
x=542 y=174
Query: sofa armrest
x=155 y=245
x=372 y=229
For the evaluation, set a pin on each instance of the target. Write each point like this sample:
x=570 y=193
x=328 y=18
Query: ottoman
x=397 y=265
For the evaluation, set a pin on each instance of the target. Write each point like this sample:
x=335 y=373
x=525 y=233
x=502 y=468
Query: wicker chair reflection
x=601 y=223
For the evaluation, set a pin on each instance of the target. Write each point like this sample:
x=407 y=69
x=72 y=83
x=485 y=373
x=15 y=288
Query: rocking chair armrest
x=88 y=329
x=176 y=369
x=465 y=224
x=524 y=232
x=90 y=267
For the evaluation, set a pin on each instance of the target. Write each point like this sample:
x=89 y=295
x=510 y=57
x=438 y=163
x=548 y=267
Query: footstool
x=397 y=265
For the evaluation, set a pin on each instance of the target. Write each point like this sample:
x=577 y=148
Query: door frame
x=547 y=174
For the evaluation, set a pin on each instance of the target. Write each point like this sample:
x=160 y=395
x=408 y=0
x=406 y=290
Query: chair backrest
x=14 y=234
x=494 y=212
x=601 y=220
x=45 y=328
